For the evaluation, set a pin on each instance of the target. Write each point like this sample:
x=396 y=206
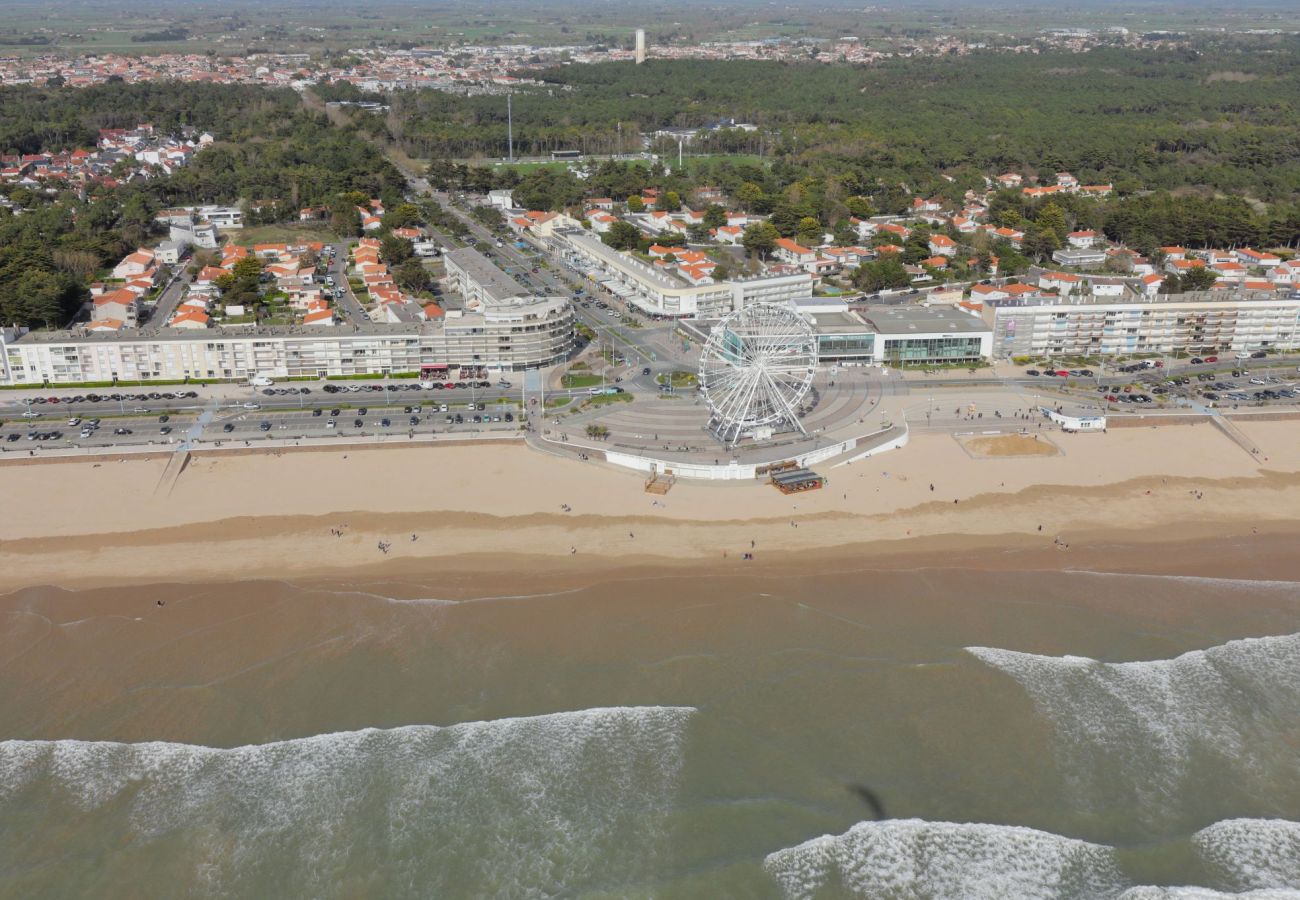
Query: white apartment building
x=524 y=335
x=657 y=293
x=1198 y=323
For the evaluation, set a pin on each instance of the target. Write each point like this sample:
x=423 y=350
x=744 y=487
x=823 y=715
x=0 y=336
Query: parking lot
x=168 y=418
x=1217 y=382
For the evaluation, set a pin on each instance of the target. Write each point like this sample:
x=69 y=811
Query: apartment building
x=657 y=293
x=1200 y=322
x=527 y=334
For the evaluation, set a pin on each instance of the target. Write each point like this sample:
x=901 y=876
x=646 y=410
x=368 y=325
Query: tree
x=714 y=216
x=669 y=201
x=394 y=250
x=697 y=234
x=860 y=207
x=883 y=273
x=635 y=203
x=411 y=275
x=1052 y=218
x=785 y=218
x=403 y=215
x=748 y=195
x=845 y=234
x=1040 y=243
x=809 y=233
x=622 y=236
x=760 y=237
x=1199 y=279
x=489 y=216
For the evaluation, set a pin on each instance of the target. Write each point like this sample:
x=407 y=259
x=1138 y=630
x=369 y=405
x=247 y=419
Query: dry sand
x=497 y=509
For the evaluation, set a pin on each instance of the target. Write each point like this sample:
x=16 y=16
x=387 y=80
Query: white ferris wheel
x=755 y=370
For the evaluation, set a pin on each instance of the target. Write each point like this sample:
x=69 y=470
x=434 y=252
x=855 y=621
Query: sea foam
x=529 y=806
x=910 y=859
x=1142 y=725
x=1197 y=893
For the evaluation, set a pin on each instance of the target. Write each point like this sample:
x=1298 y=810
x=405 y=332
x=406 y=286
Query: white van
x=261 y=381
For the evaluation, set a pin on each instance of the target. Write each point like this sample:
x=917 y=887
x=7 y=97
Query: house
x=1249 y=257
x=793 y=253
x=988 y=292
x=1010 y=180
x=105 y=326
x=189 y=319
x=1229 y=271
x=169 y=252
x=1061 y=282
x=964 y=225
x=1179 y=266
x=601 y=222
x=936 y=262
x=1173 y=253
x=1020 y=291
x=1082 y=240
x=502 y=199
x=1066 y=181
x=1010 y=235
x=924 y=206
x=121 y=305
x=901 y=231
x=1096 y=190
x=137 y=263
x=864 y=227
x=1285 y=273
x=1151 y=284
x=1033 y=193
x=319 y=317
x=942 y=245
x=729 y=234
x=196 y=234
x=605 y=204
x=209 y=275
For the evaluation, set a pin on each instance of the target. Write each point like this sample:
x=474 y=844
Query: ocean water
x=930 y=734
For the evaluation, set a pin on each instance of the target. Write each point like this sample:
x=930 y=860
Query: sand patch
x=1003 y=445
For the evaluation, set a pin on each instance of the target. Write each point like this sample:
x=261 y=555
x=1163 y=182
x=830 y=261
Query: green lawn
x=607 y=399
x=581 y=381
x=288 y=233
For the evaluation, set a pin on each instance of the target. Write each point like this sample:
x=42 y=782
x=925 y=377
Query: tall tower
x=640 y=46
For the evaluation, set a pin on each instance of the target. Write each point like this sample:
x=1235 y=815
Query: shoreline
x=497 y=512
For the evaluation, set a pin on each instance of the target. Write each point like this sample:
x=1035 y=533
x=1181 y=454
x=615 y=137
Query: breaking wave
x=910 y=858
x=1252 y=853
x=1141 y=727
x=539 y=806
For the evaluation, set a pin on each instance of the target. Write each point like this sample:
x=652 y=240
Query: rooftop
x=889 y=320
x=497 y=286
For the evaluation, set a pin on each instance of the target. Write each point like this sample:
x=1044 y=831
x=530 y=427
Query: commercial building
x=657 y=293
x=1200 y=322
x=526 y=334
x=896 y=336
x=927 y=336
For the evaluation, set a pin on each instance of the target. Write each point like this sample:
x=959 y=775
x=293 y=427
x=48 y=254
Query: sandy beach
x=499 y=510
